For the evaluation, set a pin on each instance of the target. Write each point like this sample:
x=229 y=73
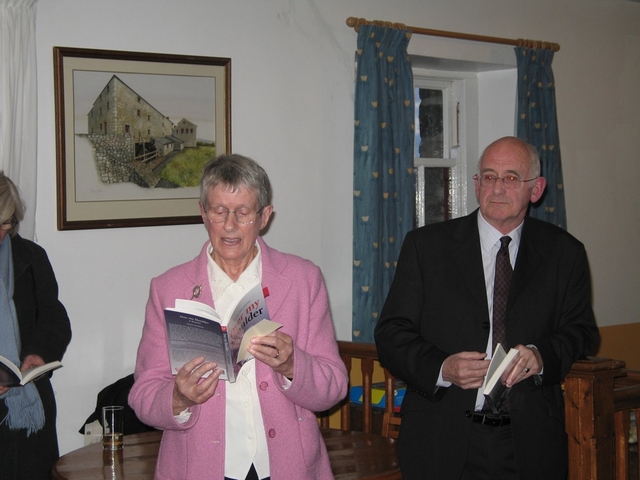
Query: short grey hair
x=235 y=171
x=535 y=160
x=11 y=204
x=534 y=156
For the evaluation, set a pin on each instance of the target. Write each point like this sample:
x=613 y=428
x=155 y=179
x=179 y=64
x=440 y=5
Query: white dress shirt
x=245 y=438
x=489 y=245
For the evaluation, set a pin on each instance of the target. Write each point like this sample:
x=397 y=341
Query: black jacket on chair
x=117 y=394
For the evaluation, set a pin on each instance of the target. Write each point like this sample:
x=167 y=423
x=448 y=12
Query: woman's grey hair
x=234 y=171
x=11 y=205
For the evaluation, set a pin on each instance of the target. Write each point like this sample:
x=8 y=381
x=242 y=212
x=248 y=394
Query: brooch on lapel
x=197 y=290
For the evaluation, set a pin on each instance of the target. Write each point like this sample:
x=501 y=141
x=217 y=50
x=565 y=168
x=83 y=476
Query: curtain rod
x=520 y=42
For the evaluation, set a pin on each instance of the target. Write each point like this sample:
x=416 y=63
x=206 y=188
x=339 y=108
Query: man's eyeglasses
x=9 y=224
x=244 y=216
x=510 y=182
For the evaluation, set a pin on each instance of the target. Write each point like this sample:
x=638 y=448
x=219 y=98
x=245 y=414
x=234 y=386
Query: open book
x=494 y=389
x=11 y=376
x=195 y=329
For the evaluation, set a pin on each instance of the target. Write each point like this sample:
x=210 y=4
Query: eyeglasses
x=243 y=215
x=9 y=224
x=510 y=182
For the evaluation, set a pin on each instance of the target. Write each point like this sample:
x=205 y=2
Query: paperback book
x=494 y=388
x=11 y=376
x=195 y=329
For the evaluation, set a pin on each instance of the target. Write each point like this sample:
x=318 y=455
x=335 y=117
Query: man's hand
x=465 y=369
x=529 y=363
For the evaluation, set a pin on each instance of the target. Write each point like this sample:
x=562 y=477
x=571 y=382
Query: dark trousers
x=491 y=455
x=252 y=475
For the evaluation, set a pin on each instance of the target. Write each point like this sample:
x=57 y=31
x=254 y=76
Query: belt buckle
x=496 y=421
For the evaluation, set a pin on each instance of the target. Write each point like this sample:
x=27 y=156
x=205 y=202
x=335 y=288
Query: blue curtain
x=383 y=174
x=538 y=125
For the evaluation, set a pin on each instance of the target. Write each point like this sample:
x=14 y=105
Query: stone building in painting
x=186 y=131
x=119 y=110
x=131 y=138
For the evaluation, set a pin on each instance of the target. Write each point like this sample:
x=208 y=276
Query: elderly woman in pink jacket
x=263 y=425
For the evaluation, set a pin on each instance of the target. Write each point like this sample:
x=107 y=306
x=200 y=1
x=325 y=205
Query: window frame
x=454 y=88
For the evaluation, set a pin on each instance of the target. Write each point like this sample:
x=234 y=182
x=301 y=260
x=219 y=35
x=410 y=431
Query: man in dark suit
x=435 y=331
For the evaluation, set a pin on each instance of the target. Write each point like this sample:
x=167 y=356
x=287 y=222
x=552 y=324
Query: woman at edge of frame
x=34 y=330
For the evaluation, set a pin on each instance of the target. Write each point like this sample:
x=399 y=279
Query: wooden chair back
x=391 y=425
x=368 y=356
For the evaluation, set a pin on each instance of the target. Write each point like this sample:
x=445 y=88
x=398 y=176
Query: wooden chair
x=391 y=425
x=367 y=355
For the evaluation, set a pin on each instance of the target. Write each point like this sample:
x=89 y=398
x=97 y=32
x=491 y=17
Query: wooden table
x=353 y=455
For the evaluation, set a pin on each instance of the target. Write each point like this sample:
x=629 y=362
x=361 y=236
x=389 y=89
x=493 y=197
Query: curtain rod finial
x=354 y=22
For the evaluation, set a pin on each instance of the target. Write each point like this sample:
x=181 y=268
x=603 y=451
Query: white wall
x=292 y=96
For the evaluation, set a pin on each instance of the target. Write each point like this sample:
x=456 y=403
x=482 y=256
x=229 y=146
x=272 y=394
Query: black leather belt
x=489 y=419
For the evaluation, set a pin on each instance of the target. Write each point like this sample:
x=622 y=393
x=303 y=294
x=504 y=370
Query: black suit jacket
x=437 y=306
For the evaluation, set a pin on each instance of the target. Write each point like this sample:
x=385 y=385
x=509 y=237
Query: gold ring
x=277 y=354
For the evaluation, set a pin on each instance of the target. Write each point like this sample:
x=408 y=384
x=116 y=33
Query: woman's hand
x=190 y=388
x=31 y=361
x=275 y=350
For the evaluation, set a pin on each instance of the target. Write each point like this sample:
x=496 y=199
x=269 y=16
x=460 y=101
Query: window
x=441 y=180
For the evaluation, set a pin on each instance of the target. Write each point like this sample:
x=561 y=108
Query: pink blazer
x=195 y=449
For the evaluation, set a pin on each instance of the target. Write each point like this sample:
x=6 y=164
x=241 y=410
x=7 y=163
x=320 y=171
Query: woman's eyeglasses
x=9 y=224
x=244 y=216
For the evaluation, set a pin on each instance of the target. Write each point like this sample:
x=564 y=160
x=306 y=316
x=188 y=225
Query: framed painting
x=133 y=132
